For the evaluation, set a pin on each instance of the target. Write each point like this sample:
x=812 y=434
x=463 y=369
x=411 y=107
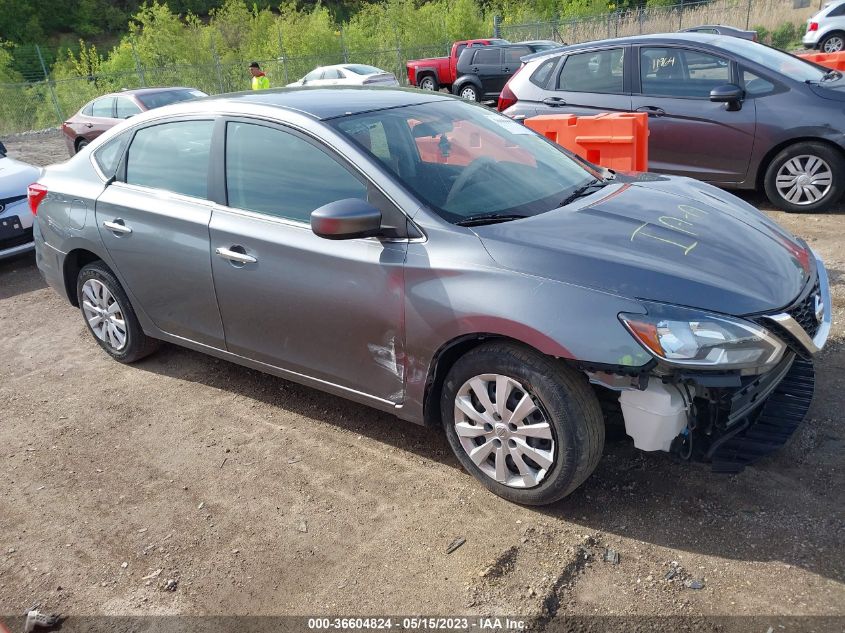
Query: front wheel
x=833 y=43
x=109 y=315
x=469 y=92
x=805 y=177
x=530 y=429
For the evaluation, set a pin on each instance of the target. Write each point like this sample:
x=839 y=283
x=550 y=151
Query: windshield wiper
x=489 y=218
x=828 y=76
x=583 y=190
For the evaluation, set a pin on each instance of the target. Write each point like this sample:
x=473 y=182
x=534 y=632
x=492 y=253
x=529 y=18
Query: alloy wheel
x=834 y=44
x=427 y=83
x=504 y=431
x=104 y=314
x=804 y=179
x=468 y=94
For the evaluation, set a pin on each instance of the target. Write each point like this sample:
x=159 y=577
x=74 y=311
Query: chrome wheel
x=427 y=83
x=104 y=314
x=804 y=179
x=834 y=44
x=504 y=431
x=468 y=94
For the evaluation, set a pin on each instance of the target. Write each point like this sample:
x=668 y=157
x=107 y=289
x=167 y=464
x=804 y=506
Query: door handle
x=507 y=70
x=475 y=69
x=652 y=110
x=89 y=125
x=554 y=101
x=235 y=256
x=117 y=225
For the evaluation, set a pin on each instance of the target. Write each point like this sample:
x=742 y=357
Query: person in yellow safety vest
x=259 y=79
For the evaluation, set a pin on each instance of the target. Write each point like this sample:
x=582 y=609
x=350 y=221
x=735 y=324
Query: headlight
x=681 y=336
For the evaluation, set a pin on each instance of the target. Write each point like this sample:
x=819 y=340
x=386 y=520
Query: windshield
x=776 y=60
x=361 y=69
x=464 y=160
x=159 y=99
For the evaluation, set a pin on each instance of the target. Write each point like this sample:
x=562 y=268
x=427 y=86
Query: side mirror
x=346 y=219
x=729 y=93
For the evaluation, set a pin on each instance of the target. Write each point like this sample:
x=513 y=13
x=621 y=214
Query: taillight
x=507 y=98
x=35 y=193
x=814 y=26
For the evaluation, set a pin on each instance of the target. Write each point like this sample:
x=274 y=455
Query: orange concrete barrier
x=613 y=140
x=836 y=61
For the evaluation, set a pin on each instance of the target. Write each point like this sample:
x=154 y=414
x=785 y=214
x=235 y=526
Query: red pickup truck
x=439 y=72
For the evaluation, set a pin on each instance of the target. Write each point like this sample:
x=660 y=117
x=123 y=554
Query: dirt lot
x=258 y=496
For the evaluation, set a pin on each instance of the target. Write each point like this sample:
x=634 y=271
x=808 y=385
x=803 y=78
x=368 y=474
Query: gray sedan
x=433 y=259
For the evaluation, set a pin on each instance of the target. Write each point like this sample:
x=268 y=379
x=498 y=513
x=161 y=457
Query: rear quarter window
x=540 y=77
x=108 y=156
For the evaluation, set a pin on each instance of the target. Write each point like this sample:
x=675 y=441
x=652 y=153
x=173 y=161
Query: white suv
x=826 y=29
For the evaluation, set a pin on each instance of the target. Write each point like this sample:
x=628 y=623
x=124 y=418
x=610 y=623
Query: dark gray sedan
x=430 y=258
x=721 y=109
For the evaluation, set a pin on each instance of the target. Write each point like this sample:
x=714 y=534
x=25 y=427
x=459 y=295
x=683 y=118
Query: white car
x=15 y=216
x=347 y=75
x=826 y=29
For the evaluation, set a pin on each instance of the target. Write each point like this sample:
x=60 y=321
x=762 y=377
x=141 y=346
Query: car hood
x=16 y=176
x=833 y=90
x=664 y=239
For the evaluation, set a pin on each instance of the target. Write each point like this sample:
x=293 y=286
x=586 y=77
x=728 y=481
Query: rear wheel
x=428 y=83
x=530 y=429
x=833 y=43
x=80 y=144
x=109 y=315
x=468 y=92
x=805 y=177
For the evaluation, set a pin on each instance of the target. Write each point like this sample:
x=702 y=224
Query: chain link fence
x=746 y=14
x=43 y=100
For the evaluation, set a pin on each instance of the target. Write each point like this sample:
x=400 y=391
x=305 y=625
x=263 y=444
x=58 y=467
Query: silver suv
x=826 y=29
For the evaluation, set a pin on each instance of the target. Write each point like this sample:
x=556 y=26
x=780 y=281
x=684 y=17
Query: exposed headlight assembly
x=701 y=340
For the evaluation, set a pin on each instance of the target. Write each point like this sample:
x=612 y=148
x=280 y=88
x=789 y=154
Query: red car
x=102 y=113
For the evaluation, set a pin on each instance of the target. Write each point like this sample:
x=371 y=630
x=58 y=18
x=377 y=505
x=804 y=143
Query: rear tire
x=80 y=144
x=429 y=83
x=109 y=315
x=805 y=177
x=832 y=43
x=562 y=436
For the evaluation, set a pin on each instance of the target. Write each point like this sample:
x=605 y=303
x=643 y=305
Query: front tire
x=832 y=43
x=109 y=315
x=530 y=429
x=805 y=177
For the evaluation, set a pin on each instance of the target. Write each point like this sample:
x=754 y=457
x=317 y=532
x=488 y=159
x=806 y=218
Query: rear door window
x=171 y=156
x=126 y=108
x=594 y=71
x=332 y=73
x=103 y=108
x=837 y=12
x=487 y=56
x=513 y=54
x=678 y=72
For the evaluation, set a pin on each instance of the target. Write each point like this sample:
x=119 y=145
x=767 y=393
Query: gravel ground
x=258 y=496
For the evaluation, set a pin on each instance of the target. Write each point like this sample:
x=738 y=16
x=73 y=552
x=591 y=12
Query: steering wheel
x=469 y=171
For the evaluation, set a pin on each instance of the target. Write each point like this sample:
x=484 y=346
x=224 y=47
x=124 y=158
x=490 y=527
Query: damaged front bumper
x=735 y=418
